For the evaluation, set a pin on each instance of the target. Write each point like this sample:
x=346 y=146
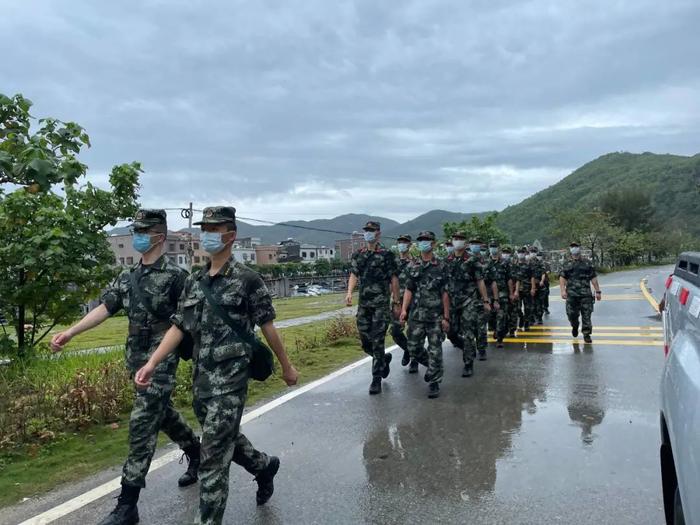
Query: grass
x=113 y=331
x=316 y=349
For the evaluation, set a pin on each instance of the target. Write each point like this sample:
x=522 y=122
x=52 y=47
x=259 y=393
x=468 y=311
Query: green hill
x=431 y=221
x=671 y=180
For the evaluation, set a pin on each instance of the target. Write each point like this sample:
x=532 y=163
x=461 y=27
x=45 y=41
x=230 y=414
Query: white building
x=310 y=253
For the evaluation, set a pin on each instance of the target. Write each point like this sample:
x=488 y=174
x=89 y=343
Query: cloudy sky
x=312 y=108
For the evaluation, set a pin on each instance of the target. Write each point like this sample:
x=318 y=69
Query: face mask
x=425 y=246
x=493 y=251
x=459 y=245
x=521 y=256
x=539 y=257
x=450 y=250
x=475 y=249
x=141 y=242
x=370 y=236
x=506 y=257
x=575 y=250
x=403 y=247
x=211 y=242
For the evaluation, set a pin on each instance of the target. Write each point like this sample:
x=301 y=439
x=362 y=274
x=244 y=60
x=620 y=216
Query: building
x=290 y=251
x=310 y=253
x=176 y=248
x=267 y=254
x=344 y=248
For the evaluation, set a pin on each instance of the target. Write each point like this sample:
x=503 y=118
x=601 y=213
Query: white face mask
x=575 y=250
x=505 y=256
x=370 y=236
x=459 y=244
x=403 y=247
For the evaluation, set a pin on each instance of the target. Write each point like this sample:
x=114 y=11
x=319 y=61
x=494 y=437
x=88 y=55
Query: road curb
x=647 y=295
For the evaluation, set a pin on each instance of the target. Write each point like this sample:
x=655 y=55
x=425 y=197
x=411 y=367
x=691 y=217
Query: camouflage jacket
x=498 y=271
x=161 y=284
x=522 y=273
x=464 y=273
x=578 y=274
x=538 y=269
x=220 y=359
x=402 y=266
x=375 y=270
x=427 y=281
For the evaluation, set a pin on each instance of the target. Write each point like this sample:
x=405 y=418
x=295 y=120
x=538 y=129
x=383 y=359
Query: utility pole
x=186 y=213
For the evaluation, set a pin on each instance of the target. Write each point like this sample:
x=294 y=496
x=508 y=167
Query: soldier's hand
x=403 y=316
x=487 y=306
x=445 y=325
x=290 y=375
x=598 y=296
x=516 y=296
x=533 y=292
x=348 y=299
x=397 y=312
x=564 y=295
x=143 y=376
x=60 y=340
x=496 y=306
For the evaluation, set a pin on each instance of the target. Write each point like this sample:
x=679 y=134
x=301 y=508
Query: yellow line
x=632 y=328
x=648 y=296
x=597 y=333
x=618 y=285
x=580 y=341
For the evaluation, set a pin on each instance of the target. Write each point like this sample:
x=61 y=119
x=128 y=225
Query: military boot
x=482 y=355
x=265 y=481
x=433 y=390
x=587 y=338
x=406 y=358
x=376 y=386
x=190 y=476
x=468 y=369
x=386 y=369
x=499 y=342
x=126 y=512
x=574 y=330
x=413 y=367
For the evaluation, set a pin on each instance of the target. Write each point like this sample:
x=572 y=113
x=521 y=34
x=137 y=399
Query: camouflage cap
x=574 y=244
x=493 y=243
x=146 y=218
x=506 y=249
x=448 y=243
x=372 y=226
x=475 y=240
x=218 y=215
x=522 y=249
x=459 y=235
x=404 y=238
x=426 y=236
x=533 y=249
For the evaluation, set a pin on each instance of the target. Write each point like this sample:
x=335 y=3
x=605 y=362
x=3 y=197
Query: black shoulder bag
x=184 y=349
x=261 y=361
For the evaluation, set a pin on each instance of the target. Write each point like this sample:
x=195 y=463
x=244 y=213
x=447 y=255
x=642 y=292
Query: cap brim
x=213 y=221
x=144 y=224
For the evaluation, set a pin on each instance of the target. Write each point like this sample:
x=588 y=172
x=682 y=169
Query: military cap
x=218 y=215
x=522 y=249
x=404 y=238
x=574 y=245
x=475 y=240
x=146 y=218
x=533 y=249
x=448 y=243
x=493 y=243
x=506 y=249
x=426 y=236
x=372 y=226
x=459 y=235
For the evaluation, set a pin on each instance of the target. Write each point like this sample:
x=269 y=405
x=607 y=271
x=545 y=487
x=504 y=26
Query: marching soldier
x=403 y=262
x=512 y=316
x=524 y=289
x=540 y=275
x=426 y=294
x=375 y=269
x=479 y=250
x=457 y=290
x=575 y=280
x=149 y=293
x=219 y=308
x=500 y=284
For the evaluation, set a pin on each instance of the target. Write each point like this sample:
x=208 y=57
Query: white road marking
x=98 y=492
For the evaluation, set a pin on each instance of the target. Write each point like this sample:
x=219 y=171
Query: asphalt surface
x=552 y=431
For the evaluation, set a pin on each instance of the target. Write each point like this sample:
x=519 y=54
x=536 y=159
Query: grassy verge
x=29 y=469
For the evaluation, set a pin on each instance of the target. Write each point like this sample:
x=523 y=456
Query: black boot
x=434 y=390
x=126 y=512
x=406 y=358
x=376 y=386
x=468 y=369
x=386 y=370
x=190 y=476
x=413 y=367
x=574 y=330
x=499 y=342
x=512 y=333
x=587 y=338
x=482 y=355
x=265 y=479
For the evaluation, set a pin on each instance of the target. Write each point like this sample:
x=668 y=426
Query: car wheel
x=678 y=518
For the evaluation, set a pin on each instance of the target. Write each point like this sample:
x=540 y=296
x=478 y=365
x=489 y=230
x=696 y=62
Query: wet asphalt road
x=545 y=432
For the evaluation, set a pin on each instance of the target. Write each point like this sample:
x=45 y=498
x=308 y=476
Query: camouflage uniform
x=427 y=281
x=522 y=273
x=397 y=331
x=457 y=289
x=498 y=271
x=160 y=284
x=579 y=302
x=465 y=275
x=482 y=340
x=538 y=302
x=546 y=290
x=375 y=270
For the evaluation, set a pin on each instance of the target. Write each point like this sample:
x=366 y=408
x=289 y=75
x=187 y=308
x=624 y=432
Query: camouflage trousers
x=526 y=309
x=372 y=324
x=513 y=318
x=222 y=442
x=471 y=322
x=583 y=307
x=539 y=302
x=455 y=334
x=482 y=340
x=152 y=412
x=398 y=334
x=499 y=320
x=417 y=333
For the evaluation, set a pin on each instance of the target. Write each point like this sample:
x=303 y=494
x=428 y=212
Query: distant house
x=267 y=254
x=176 y=249
x=344 y=248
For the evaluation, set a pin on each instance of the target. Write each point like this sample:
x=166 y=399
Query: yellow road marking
x=648 y=296
x=618 y=285
x=541 y=333
x=595 y=326
x=580 y=341
x=610 y=297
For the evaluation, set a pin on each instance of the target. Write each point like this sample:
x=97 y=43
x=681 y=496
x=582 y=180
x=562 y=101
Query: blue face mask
x=493 y=251
x=506 y=257
x=141 y=242
x=475 y=249
x=211 y=242
x=370 y=236
x=425 y=246
x=575 y=250
x=403 y=247
x=450 y=249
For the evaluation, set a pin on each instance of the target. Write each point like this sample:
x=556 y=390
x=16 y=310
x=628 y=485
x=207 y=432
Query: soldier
x=524 y=289
x=575 y=281
x=456 y=289
x=375 y=268
x=219 y=307
x=545 y=284
x=402 y=263
x=499 y=280
x=540 y=274
x=478 y=248
x=426 y=294
x=149 y=293
x=512 y=316
x=469 y=301
x=449 y=248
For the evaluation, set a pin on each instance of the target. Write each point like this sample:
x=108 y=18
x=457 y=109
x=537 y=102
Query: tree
x=322 y=267
x=629 y=208
x=485 y=229
x=54 y=256
x=593 y=229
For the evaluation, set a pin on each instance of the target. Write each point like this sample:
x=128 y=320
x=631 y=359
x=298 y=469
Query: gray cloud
x=314 y=108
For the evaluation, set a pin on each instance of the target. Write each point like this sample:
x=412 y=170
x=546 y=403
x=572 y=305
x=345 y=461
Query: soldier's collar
x=159 y=264
x=226 y=270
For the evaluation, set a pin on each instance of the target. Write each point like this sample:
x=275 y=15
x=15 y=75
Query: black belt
x=150 y=330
